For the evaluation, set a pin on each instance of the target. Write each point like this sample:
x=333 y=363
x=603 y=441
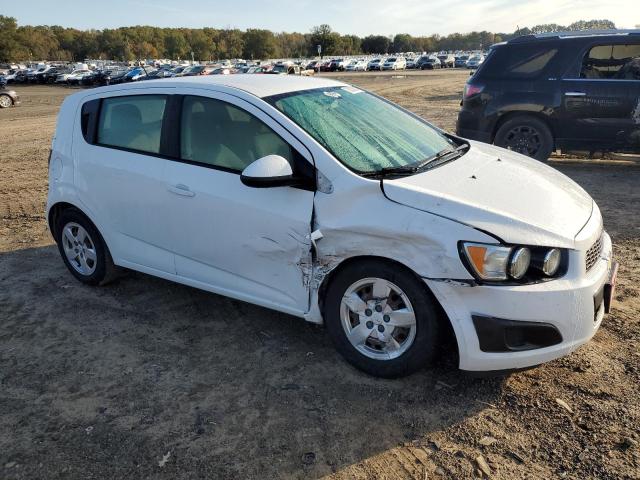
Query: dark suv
x=573 y=91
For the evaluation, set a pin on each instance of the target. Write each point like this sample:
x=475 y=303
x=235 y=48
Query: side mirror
x=269 y=171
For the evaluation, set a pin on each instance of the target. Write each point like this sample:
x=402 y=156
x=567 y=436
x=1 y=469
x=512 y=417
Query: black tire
x=425 y=344
x=526 y=134
x=105 y=271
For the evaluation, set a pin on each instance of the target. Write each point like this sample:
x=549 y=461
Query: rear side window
x=613 y=62
x=132 y=122
x=519 y=61
x=219 y=134
x=88 y=118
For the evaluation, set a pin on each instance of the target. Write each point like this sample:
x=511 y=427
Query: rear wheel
x=83 y=249
x=381 y=319
x=5 y=101
x=527 y=135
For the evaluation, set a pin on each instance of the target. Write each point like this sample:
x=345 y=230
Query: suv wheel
x=526 y=135
x=5 y=101
x=83 y=250
x=381 y=319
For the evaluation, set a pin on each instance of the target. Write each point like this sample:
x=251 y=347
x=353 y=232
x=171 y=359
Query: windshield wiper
x=442 y=156
x=446 y=155
x=393 y=170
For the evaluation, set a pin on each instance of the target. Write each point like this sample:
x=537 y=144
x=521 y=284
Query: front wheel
x=381 y=319
x=527 y=135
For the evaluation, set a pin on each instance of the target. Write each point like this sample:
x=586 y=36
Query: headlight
x=551 y=262
x=499 y=263
x=489 y=262
x=519 y=263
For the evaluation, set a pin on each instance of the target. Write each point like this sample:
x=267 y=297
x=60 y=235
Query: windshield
x=362 y=131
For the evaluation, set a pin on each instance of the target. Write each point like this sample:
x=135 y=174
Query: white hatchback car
x=320 y=200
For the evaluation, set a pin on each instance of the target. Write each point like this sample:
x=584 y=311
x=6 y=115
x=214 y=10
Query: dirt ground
x=149 y=379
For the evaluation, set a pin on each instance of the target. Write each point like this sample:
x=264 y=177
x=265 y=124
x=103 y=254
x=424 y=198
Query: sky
x=359 y=17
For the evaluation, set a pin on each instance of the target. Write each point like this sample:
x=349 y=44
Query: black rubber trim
x=609 y=287
x=500 y=335
x=496 y=373
x=303 y=169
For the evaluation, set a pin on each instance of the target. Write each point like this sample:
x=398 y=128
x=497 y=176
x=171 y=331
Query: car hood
x=513 y=197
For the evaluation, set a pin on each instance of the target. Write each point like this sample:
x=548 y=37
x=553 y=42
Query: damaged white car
x=320 y=200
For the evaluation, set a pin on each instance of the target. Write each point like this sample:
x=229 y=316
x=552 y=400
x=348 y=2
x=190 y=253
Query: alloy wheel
x=79 y=248
x=378 y=318
x=523 y=139
x=5 y=101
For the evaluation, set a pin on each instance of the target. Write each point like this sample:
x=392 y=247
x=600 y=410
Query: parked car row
x=99 y=73
x=108 y=75
x=399 y=62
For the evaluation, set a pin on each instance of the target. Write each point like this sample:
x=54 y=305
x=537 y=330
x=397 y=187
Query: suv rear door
x=599 y=98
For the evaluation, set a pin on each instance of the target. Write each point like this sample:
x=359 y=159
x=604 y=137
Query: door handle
x=181 y=189
x=575 y=94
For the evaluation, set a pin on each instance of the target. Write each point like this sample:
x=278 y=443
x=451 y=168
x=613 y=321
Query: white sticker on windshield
x=353 y=90
x=332 y=94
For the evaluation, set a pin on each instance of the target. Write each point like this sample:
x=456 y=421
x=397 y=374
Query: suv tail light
x=471 y=89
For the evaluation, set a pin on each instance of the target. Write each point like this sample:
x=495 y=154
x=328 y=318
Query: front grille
x=593 y=253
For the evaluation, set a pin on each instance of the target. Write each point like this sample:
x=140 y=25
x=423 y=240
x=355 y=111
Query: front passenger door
x=248 y=243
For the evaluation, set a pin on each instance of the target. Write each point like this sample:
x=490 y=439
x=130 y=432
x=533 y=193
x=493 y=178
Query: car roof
x=573 y=34
x=258 y=85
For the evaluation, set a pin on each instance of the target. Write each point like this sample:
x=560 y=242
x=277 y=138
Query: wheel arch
x=502 y=119
x=58 y=208
x=447 y=327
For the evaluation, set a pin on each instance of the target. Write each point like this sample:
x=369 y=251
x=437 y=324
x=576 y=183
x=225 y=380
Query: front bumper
x=572 y=305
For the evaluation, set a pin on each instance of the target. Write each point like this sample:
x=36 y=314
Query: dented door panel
x=247 y=243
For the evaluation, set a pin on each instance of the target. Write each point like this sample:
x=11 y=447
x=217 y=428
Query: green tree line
x=43 y=42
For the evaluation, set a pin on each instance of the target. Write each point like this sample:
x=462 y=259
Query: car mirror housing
x=269 y=171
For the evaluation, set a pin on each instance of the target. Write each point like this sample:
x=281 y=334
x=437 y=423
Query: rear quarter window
x=132 y=122
x=520 y=61
x=88 y=117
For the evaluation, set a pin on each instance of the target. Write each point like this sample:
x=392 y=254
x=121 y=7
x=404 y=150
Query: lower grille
x=593 y=253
